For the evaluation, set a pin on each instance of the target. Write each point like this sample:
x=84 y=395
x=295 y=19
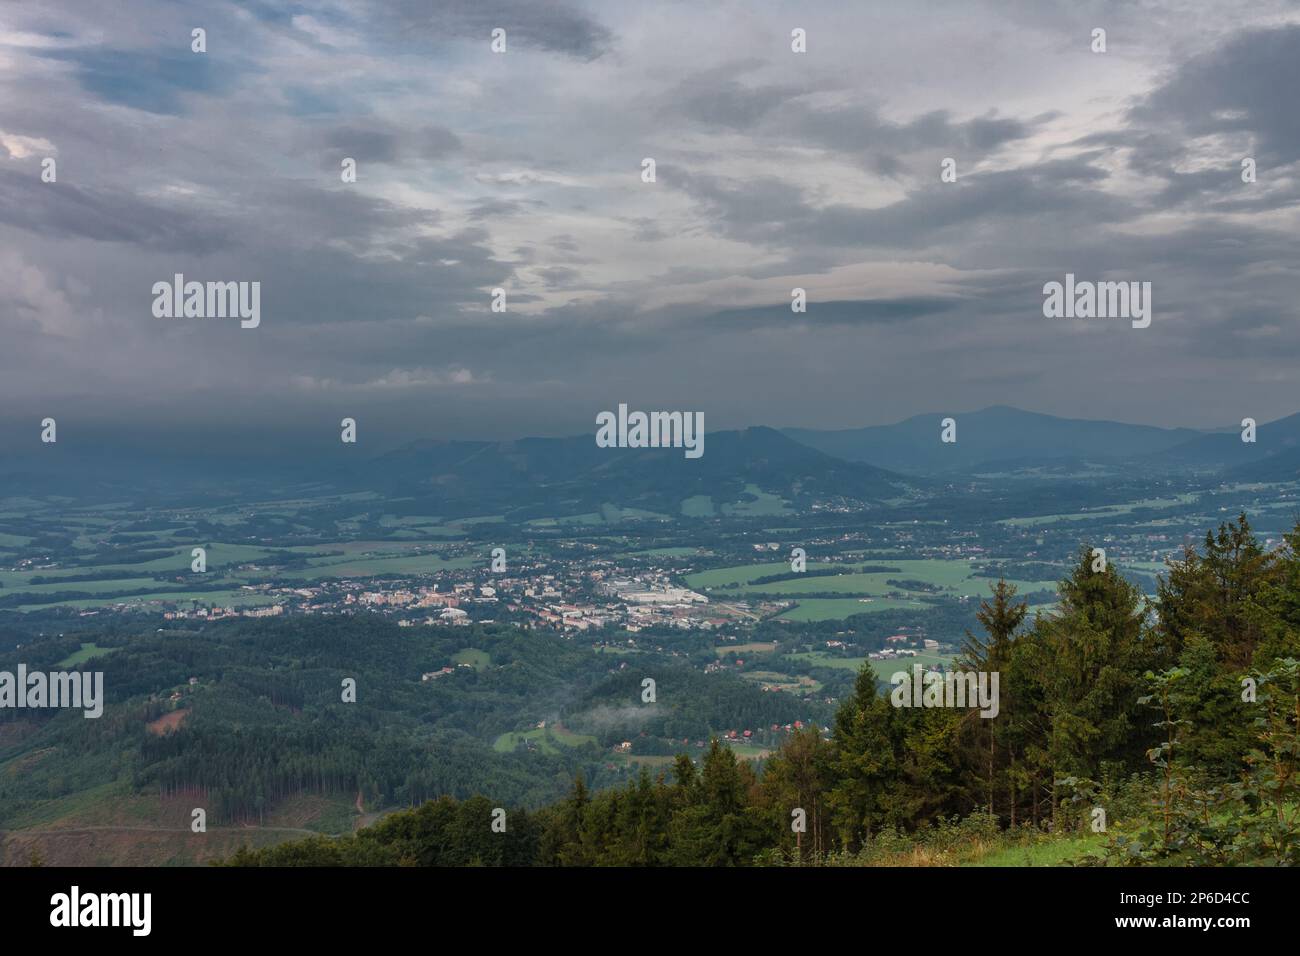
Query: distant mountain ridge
x=999 y=433
x=577 y=473
x=1274 y=455
x=870 y=464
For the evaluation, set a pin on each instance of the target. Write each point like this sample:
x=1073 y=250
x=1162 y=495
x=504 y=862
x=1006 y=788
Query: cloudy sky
x=523 y=170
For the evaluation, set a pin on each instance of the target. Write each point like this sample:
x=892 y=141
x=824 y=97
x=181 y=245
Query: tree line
x=1176 y=718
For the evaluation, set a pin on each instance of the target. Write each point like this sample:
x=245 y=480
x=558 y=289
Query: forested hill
x=246 y=716
x=1169 y=738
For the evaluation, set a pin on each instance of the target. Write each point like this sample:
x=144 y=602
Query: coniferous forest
x=1170 y=727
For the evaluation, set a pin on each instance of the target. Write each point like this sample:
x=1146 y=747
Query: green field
x=661 y=553
x=751 y=647
x=883 y=669
x=746 y=751
x=951 y=578
x=765 y=504
x=380 y=566
x=1109 y=511
x=837 y=609
x=233 y=599
x=788 y=683
x=548 y=739
x=698 y=506
x=1049 y=852
x=886 y=669
x=743 y=574
x=473 y=657
x=86 y=653
x=169 y=579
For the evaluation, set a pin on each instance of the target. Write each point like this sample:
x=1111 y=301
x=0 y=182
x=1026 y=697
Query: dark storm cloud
x=775 y=170
x=1246 y=85
x=67 y=211
x=721 y=99
x=773 y=212
x=863 y=131
x=425 y=276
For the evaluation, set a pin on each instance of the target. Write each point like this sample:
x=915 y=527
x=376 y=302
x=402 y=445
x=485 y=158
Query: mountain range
x=989 y=437
x=864 y=465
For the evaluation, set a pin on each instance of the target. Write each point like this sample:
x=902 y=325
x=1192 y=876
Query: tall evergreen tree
x=1000 y=618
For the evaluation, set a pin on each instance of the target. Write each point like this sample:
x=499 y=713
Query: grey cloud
x=549 y=25
x=1245 y=85
x=838 y=313
x=65 y=210
x=384 y=143
x=558 y=276
x=530 y=163
x=773 y=212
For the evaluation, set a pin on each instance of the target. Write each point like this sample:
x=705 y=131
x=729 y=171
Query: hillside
x=574 y=475
x=991 y=435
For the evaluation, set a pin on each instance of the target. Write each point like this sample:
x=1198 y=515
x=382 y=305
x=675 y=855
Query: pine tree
x=992 y=654
x=863 y=764
x=1089 y=659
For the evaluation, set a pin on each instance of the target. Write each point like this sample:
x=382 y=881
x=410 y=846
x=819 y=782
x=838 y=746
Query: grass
x=886 y=669
x=660 y=553
x=954 y=577
x=837 y=609
x=90 y=801
x=764 y=505
x=227 y=568
x=588 y=518
x=698 y=506
x=1108 y=511
x=548 y=739
x=743 y=574
x=115 y=586
x=746 y=751
x=86 y=653
x=374 y=567
x=234 y=598
x=948 y=578
x=753 y=647
x=474 y=657
x=883 y=669
x=784 y=682
x=1047 y=852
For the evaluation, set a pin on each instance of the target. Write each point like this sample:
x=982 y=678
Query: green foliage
x=1106 y=702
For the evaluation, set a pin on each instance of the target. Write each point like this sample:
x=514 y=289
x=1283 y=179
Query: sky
x=522 y=170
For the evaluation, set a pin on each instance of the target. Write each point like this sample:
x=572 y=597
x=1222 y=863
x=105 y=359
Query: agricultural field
x=1108 y=511
x=764 y=504
x=547 y=739
x=837 y=609
x=884 y=669
x=749 y=647
x=951 y=577
x=790 y=684
x=109 y=557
